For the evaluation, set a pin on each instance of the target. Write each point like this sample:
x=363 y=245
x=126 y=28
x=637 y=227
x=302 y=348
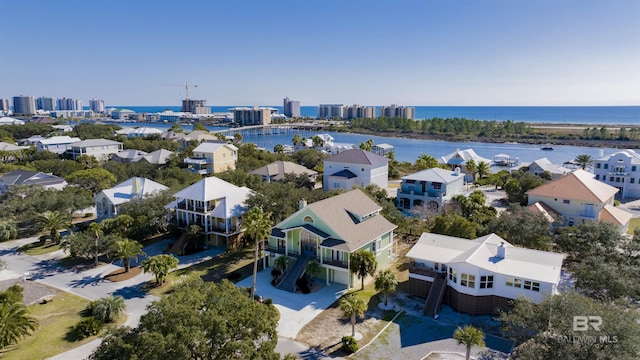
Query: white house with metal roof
x=355 y=167
x=429 y=188
x=330 y=231
x=129 y=156
x=109 y=201
x=101 y=149
x=620 y=170
x=215 y=205
x=55 y=144
x=212 y=158
x=158 y=157
x=479 y=276
x=142 y=131
x=578 y=197
x=459 y=158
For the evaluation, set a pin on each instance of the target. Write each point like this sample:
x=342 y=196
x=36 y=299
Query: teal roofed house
x=329 y=231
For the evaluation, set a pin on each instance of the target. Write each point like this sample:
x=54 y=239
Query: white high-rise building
x=24 y=105
x=291 y=108
x=360 y=112
x=69 y=104
x=407 y=112
x=4 y=105
x=97 y=105
x=45 y=103
x=244 y=116
x=330 y=111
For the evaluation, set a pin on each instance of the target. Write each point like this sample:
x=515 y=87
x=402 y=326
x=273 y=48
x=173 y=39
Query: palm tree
x=317 y=141
x=126 y=249
x=353 y=306
x=297 y=139
x=472 y=168
x=96 y=229
x=367 y=145
x=52 y=223
x=469 y=336
x=108 y=308
x=426 y=161
x=386 y=282
x=313 y=269
x=15 y=323
x=258 y=225
x=159 y=265
x=281 y=262
x=221 y=137
x=583 y=160
x=278 y=149
x=8 y=230
x=483 y=169
x=237 y=137
x=363 y=263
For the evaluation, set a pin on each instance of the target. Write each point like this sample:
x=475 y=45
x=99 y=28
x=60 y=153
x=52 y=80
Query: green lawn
x=633 y=224
x=54 y=334
x=35 y=248
x=232 y=265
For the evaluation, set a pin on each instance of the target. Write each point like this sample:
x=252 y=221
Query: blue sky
x=409 y=52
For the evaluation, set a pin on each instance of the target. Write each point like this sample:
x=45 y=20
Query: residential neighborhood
x=138 y=218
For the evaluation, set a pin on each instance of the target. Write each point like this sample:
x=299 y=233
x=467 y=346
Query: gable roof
x=198 y=135
x=158 y=157
x=578 y=185
x=65 y=139
x=277 y=170
x=11 y=147
x=232 y=198
x=435 y=175
x=614 y=215
x=135 y=187
x=358 y=156
x=482 y=252
x=546 y=165
x=212 y=147
x=132 y=154
x=24 y=177
x=462 y=156
x=94 y=142
x=352 y=217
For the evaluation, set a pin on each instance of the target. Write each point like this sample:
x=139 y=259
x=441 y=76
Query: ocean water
x=592 y=115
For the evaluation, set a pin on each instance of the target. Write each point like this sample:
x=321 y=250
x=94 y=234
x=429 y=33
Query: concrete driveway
x=296 y=310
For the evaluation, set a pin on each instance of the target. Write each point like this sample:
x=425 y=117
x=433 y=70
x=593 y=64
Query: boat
x=546 y=148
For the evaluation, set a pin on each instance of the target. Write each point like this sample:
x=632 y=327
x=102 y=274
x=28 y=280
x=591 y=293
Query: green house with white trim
x=332 y=229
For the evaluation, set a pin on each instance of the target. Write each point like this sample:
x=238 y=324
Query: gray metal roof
x=358 y=156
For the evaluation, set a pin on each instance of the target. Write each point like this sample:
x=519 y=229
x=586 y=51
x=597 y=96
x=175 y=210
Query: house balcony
x=196 y=161
x=336 y=263
x=617 y=173
x=280 y=250
x=200 y=209
x=421 y=270
x=211 y=228
x=433 y=194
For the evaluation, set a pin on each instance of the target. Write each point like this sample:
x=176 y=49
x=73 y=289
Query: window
x=405 y=203
x=486 y=282
x=453 y=275
x=308 y=219
x=468 y=280
x=566 y=201
x=436 y=186
x=513 y=282
x=633 y=168
x=531 y=285
x=611 y=178
x=632 y=180
x=606 y=166
x=597 y=177
x=598 y=166
x=617 y=179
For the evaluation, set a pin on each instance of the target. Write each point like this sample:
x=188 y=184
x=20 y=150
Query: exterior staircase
x=436 y=295
x=178 y=246
x=288 y=283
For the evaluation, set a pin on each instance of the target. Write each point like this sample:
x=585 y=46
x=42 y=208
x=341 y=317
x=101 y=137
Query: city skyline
x=415 y=53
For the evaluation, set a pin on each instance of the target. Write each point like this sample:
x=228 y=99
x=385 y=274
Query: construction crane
x=187 y=107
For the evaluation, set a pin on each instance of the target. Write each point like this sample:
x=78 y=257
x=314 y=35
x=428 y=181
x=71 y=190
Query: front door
x=309 y=248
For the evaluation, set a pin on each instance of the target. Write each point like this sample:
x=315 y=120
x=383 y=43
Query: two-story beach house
x=459 y=158
x=215 y=205
x=538 y=167
x=355 y=167
x=620 y=170
x=429 y=188
x=109 y=201
x=479 y=276
x=330 y=231
x=101 y=149
x=578 y=197
x=55 y=144
x=212 y=158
